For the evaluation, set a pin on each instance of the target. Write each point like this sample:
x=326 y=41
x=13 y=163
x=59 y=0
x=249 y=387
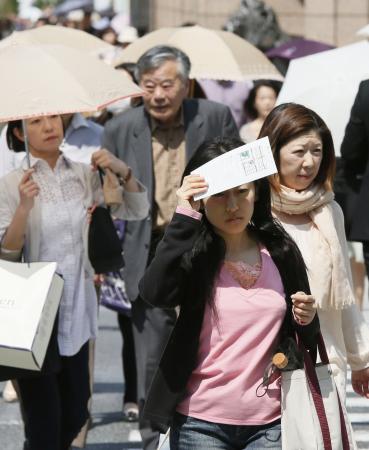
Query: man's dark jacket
x=128 y=136
x=354 y=153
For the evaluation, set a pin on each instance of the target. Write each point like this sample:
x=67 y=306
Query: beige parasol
x=214 y=54
x=52 y=34
x=55 y=79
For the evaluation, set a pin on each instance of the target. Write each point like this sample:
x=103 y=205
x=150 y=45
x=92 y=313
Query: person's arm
x=14 y=236
x=135 y=204
x=164 y=282
x=106 y=160
x=308 y=333
x=356 y=336
x=305 y=319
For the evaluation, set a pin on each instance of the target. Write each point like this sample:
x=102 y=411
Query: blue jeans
x=188 y=433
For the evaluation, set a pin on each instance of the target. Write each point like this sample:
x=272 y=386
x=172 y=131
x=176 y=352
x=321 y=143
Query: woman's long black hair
x=203 y=262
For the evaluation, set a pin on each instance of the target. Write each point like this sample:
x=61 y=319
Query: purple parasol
x=297 y=48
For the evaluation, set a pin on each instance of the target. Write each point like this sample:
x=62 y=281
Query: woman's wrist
x=188 y=211
x=182 y=203
x=23 y=211
x=124 y=173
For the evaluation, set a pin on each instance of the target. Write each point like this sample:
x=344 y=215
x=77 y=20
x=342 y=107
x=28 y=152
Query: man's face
x=164 y=92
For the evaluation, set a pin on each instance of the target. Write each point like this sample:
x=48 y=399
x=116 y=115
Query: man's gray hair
x=156 y=56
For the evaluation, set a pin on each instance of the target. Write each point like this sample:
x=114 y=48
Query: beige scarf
x=330 y=278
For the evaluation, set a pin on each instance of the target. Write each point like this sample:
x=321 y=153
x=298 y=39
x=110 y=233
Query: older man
x=156 y=140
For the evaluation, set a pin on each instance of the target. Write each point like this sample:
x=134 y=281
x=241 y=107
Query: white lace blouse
x=61 y=225
x=62 y=216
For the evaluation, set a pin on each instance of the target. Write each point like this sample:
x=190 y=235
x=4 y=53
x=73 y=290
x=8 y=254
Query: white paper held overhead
x=239 y=166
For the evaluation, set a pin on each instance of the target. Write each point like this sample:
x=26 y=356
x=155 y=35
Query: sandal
x=9 y=393
x=130 y=412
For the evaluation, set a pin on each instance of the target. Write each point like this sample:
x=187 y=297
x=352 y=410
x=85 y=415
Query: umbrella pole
x=26 y=143
x=191 y=88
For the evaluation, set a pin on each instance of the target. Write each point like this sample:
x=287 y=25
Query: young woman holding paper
x=303 y=201
x=44 y=215
x=242 y=289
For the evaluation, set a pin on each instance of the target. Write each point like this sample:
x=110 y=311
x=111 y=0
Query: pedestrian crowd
x=212 y=288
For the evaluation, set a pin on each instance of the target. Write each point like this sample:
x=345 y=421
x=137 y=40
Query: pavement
x=109 y=431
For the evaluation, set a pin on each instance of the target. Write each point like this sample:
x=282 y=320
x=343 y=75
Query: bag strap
x=325 y=360
x=322 y=349
x=313 y=383
x=316 y=394
x=344 y=433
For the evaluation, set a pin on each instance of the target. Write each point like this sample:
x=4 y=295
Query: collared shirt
x=81 y=139
x=62 y=218
x=169 y=160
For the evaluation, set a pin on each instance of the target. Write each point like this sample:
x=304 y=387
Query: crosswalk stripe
x=134 y=436
x=357 y=402
x=359 y=417
x=362 y=435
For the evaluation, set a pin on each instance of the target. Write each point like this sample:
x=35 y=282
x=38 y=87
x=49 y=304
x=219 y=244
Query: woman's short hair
x=13 y=142
x=290 y=121
x=250 y=109
x=157 y=56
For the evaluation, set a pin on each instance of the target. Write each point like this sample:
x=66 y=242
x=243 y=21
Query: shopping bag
x=30 y=294
x=313 y=416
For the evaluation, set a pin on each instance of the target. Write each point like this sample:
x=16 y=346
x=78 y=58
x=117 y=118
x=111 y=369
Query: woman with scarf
x=303 y=201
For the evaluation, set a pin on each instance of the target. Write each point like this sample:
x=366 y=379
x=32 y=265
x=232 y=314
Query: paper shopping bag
x=29 y=300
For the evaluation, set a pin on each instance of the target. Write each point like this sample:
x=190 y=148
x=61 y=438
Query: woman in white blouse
x=303 y=201
x=44 y=212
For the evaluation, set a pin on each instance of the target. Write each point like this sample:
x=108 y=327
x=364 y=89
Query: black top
x=355 y=158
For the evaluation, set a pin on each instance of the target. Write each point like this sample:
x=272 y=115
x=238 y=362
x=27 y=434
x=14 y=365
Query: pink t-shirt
x=234 y=350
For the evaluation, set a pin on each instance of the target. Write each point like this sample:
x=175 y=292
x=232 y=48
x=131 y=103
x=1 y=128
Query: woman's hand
x=303 y=308
x=28 y=190
x=192 y=185
x=360 y=382
x=106 y=160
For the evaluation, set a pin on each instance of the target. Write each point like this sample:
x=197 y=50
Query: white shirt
x=62 y=216
x=82 y=138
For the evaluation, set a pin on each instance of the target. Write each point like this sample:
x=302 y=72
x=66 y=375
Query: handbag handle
x=101 y=176
x=317 y=395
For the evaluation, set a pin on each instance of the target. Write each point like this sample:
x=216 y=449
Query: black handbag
x=104 y=246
